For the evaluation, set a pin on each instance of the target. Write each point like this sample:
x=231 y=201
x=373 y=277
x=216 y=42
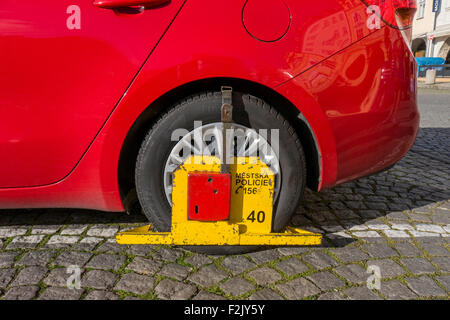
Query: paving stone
x=8 y=232
x=111 y=246
x=237 y=264
x=135 y=283
x=172 y=290
x=264 y=276
x=198 y=260
x=402 y=227
x=98 y=279
x=379 y=250
x=321 y=216
x=407 y=249
x=424 y=209
x=291 y=250
x=87 y=243
x=57 y=278
x=102 y=231
x=265 y=294
x=7 y=259
x=325 y=280
x=74 y=230
x=356 y=227
x=350 y=254
x=423 y=234
x=444 y=207
x=292 y=266
x=72 y=258
x=25 y=242
x=338 y=239
x=298 y=288
x=394 y=290
x=419 y=217
x=332 y=228
x=395 y=234
x=443 y=263
x=435 y=249
x=430 y=228
x=175 y=271
x=261 y=257
x=300 y=220
x=205 y=295
x=237 y=286
x=338 y=235
x=425 y=286
x=333 y=295
x=397 y=215
x=338 y=205
x=61 y=294
x=445 y=281
x=21 y=293
x=166 y=254
x=361 y=293
x=418 y=265
x=366 y=234
x=388 y=268
x=45 y=229
x=141 y=250
x=6 y=275
x=437 y=240
x=440 y=219
x=378 y=226
x=36 y=258
x=349 y=214
x=101 y=295
x=106 y=262
x=370 y=214
x=320 y=260
x=58 y=241
x=30 y=275
x=353 y=273
x=208 y=276
x=145 y=266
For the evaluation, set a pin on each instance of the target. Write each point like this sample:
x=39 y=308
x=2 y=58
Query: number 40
x=260 y=216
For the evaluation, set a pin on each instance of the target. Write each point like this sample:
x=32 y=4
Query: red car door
x=64 y=66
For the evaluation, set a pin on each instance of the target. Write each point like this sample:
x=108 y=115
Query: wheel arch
x=139 y=129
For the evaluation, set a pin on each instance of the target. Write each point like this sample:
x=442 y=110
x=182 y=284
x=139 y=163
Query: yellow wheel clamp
x=242 y=209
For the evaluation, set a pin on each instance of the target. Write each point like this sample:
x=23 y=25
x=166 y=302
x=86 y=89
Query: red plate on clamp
x=209 y=196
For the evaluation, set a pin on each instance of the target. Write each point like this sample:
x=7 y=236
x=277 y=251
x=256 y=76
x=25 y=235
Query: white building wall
x=443 y=17
x=424 y=23
x=428 y=23
x=442 y=31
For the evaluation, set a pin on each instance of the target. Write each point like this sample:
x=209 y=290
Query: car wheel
x=160 y=155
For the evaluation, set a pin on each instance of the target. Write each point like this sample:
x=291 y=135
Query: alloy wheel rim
x=207 y=140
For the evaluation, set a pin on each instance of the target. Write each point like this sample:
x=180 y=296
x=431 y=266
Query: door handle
x=119 y=4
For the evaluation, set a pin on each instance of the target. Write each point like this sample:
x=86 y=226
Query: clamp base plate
x=224 y=235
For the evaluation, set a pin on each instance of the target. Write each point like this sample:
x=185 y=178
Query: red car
x=92 y=91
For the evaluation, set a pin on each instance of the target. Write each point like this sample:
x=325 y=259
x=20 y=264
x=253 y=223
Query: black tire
x=249 y=111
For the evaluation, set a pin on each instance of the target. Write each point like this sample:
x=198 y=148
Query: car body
x=78 y=95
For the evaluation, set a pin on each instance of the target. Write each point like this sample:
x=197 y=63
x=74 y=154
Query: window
x=421 y=9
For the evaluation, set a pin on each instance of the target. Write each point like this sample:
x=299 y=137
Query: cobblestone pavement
x=398 y=220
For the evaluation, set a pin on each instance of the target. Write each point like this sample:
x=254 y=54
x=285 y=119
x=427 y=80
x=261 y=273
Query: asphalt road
x=393 y=227
x=434 y=107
